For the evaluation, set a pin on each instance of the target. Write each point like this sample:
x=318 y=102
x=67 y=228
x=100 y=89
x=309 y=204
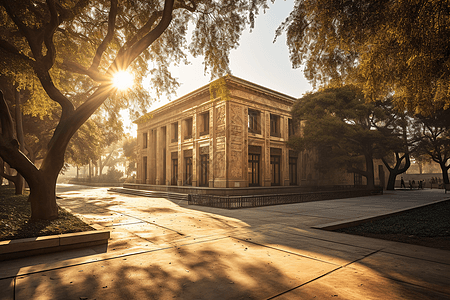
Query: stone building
x=230 y=133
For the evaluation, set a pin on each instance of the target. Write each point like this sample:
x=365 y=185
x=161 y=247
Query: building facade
x=230 y=133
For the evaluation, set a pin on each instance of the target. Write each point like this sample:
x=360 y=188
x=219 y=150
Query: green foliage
x=433 y=136
x=387 y=48
x=219 y=89
x=341 y=127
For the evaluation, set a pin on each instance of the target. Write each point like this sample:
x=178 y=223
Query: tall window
x=144 y=140
x=174 y=127
x=292 y=170
x=204 y=162
x=275 y=169
x=188 y=171
x=204 y=123
x=275 y=125
x=254 y=121
x=174 y=180
x=188 y=128
x=144 y=169
x=253 y=169
x=188 y=167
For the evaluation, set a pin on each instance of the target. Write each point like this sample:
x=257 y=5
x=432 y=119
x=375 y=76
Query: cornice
x=232 y=81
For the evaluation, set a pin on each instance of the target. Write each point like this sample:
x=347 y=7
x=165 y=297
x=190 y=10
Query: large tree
x=341 y=127
x=73 y=48
x=388 y=48
x=433 y=136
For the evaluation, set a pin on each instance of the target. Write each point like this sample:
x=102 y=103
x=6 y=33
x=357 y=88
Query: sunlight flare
x=123 y=80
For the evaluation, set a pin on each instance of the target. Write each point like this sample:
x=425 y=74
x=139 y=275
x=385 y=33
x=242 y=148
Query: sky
x=257 y=59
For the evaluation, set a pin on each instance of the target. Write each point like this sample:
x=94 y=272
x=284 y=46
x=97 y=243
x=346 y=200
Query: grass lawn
x=427 y=226
x=15 y=212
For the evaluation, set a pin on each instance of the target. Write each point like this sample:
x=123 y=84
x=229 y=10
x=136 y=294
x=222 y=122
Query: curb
x=19 y=248
x=357 y=221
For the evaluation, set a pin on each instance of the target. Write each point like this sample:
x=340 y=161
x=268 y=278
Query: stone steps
x=151 y=194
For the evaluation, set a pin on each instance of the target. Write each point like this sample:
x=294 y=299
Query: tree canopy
x=387 y=48
x=71 y=49
x=344 y=130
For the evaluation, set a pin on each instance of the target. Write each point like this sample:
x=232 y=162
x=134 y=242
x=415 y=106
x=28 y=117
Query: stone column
x=168 y=154
x=265 y=164
x=194 y=150
x=220 y=159
x=285 y=156
x=235 y=145
x=158 y=163
x=212 y=138
x=245 y=147
x=180 y=156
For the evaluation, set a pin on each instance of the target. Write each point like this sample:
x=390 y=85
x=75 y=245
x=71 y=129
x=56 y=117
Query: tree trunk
x=444 y=172
x=2 y=170
x=43 y=197
x=19 y=181
x=370 y=171
x=393 y=172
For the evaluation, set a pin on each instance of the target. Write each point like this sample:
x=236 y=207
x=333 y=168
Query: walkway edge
x=357 y=221
x=19 y=248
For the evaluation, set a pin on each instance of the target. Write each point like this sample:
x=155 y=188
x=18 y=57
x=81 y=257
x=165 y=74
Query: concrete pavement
x=161 y=249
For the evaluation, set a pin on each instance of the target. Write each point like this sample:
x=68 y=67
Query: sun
x=123 y=80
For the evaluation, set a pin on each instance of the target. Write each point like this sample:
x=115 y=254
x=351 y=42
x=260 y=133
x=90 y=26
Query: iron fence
x=233 y=202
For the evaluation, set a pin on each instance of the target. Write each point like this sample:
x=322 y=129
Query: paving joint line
x=325 y=240
x=112 y=258
x=286 y=251
x=323 y=275
x=155 y=224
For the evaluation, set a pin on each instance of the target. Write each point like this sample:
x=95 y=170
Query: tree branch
x=49 y=31
x=109 y=36
x=123 y=61
x=77 y=68
x=6 y=120
x=6 y=46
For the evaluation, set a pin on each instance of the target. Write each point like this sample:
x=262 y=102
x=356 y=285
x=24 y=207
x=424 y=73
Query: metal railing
x=233 y=202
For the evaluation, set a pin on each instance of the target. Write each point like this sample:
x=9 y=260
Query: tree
x=388 y=48
x=74 y=48
x=433 y=135
x=395 y=127
x=341 y=127
x=130 y=153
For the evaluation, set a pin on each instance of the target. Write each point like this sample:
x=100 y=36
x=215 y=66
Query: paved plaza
x=163 y=249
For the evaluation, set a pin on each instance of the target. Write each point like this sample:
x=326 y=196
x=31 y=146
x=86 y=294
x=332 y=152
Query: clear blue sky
x=257 y=59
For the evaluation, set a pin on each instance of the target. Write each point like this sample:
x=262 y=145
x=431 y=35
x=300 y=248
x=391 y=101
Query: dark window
x=144 y=140
x=253 y=169
x=188 y=171
x=275 y=125
x=357 y=179
x=292 y=170
x=144 y=169
x=204 y=162
x=174 y=132
x=204 y=123
x=254 y=121
x=291 y=127
x=275 y=169
x=188 y=129
x=174 y=180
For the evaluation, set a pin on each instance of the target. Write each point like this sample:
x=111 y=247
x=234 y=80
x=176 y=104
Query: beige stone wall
x=227 y=141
